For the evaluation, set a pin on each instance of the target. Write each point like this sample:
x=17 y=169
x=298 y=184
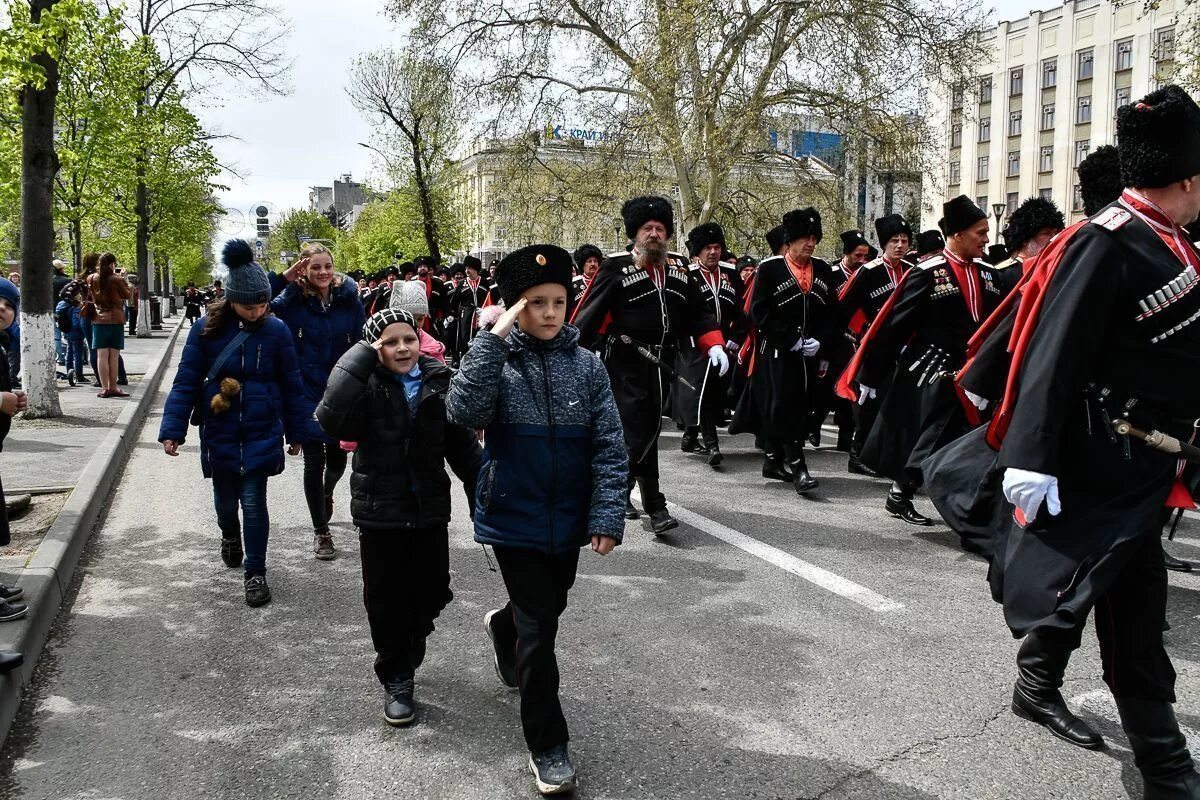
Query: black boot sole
x=659 y=530
x=778 y=476
x=399 y=722
x=1023 y=713
x=805 y=488
x=923 y=522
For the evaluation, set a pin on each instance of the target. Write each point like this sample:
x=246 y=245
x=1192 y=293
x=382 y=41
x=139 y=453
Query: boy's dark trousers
x=406 y=584
x=537 y=586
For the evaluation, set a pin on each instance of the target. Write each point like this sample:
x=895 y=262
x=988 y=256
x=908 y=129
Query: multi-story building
x=1045 y=97
x=345 y=198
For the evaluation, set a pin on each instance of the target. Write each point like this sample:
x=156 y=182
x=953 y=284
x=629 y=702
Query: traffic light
x=264 y=225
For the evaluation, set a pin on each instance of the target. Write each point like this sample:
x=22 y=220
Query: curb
x=51 y=568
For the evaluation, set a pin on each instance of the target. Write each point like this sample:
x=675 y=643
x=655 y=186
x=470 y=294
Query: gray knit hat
x=246 y=282
x=409 y=296
x=378 y=322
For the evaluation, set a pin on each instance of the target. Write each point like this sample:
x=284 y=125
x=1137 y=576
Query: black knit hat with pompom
x=246 y=282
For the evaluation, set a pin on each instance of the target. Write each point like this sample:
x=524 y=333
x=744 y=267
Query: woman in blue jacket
x=325 y=316
x=239 y=380
x=552 y=481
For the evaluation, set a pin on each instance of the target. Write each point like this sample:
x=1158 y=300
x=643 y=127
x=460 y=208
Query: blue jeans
x=74 y=359
x=60 y=350
x=229 y=489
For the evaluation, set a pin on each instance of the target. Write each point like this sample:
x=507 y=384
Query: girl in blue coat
x=239 y=380
x=325 y=316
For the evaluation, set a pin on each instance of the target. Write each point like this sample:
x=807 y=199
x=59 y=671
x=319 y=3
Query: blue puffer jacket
x=554 y=469
x=249 y=436
x=322 y=334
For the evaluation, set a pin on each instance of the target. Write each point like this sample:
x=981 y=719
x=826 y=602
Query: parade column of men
x=639 y=303
x=466 y=298
x=587 y=261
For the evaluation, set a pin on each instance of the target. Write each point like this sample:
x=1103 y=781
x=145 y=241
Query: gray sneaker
x=323 y=546
x=553 y=771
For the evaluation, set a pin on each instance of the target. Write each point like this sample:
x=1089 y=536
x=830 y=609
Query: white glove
x=718 y=358
x=979 y=402
x=1026 y=490
x=811 y=346
x=732 y=346
x=865 y=393
x=798 y=346
x=448 y=320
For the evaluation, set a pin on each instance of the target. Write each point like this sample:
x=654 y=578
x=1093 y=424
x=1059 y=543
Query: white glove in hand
x=798 y=346
x=811 y=346
x=718 y=358
x=865 y=393
x=1026 y=490
x=732 y=346
x=979 y=402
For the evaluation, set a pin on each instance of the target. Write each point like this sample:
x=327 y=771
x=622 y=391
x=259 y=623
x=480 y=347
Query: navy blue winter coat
x=249 y=436
x=554 y=468
x=322 y=334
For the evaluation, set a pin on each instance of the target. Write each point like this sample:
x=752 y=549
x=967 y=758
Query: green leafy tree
x=396 y=225
x=295 y=227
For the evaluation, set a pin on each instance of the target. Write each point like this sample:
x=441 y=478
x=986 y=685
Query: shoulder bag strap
x=234 y=344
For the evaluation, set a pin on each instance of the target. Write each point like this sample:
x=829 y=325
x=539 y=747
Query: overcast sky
x=309 y=138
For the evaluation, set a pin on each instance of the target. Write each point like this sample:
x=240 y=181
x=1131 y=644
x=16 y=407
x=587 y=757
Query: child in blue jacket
x=552 y=480
x=243 y=407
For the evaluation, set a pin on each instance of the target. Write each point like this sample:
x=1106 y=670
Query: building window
x=1046 y=194
x=1125 y=55
x=955 y=173
x=1122 y=98
x=985 y=90
x=1010 y=200
x=1076 y=198
x=981 y=169
x=1082 y=146
x=1016 y=82
x=1049 y=73
x=1046 y=164
x=1014 y=123
x=956 y=98
x=985 y=130
x=1083 y=114
x=956 y=135
x=1014 y=163
x=1086 y=63
x=1164 y=44
x=501 y=233
x=981 y=201
x=1048 y=117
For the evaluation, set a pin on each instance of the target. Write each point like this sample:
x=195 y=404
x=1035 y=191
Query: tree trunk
x=142 y=212
x=39 y=163
x=76 y=248
x=427 y=219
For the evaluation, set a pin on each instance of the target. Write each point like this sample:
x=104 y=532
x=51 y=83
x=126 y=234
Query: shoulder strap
x=234 y=344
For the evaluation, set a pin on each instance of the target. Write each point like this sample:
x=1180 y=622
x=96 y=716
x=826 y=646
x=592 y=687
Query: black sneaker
x=10 y=611
x=257 y=591
x=660 y=522
x=10 y=592
x=399 y=708
x=231 y=552
x=504 y=658
x=553 y=772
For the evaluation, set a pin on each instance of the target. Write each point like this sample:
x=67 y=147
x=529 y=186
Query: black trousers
x=864 y=418
x=406 y=584
x=324 y=465
x=537 y=586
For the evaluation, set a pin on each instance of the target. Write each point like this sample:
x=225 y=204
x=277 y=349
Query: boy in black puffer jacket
x=390 y=399
x=553 y=481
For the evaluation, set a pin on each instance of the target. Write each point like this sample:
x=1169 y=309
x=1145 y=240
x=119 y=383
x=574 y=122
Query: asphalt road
x=772 y=647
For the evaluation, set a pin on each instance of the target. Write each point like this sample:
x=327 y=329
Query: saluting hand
x=299 y=269
x=508 y=319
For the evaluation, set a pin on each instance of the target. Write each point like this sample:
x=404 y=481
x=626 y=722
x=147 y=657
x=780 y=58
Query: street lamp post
x=998 y=209
x=617 y=223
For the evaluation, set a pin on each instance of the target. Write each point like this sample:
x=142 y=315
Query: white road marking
x=787 y=562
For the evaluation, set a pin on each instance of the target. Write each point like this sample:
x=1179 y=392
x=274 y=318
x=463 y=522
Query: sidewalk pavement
x=72 y=462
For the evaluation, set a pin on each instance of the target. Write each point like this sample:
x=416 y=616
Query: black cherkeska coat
x=783 y=391
x=623 y=300
x=692 y=363
x=919 y=345
x=1118 y=335
x=465 y=300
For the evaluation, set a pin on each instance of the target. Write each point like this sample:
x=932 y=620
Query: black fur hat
x=996 y=254
x=640 y=210
x=1030 y=217
x=392 y=270
x=959 y=214
x=585 y=252
x=1159 y=139
x=1100 y=178
x=800 y=223
x=472 y=262
x=853 y=239
x=530 y=266
x=702 y=236
x=892 y=225
x=930 y=241
x=775 y=239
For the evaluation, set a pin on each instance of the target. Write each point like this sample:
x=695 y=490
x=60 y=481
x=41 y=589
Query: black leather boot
x=690 y=443
x=845 y=440
x=900 y=506
x=660 y=521
x=856 y=467
x=1177 y=564
x=774 y=469
x=399 y=708
x=803 y=482
x=1159 y=749
x=1041 y=663
x=712 y=446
